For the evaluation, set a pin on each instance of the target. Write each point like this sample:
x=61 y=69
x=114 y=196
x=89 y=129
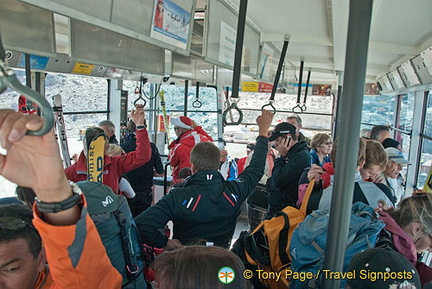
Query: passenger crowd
x=50 y=239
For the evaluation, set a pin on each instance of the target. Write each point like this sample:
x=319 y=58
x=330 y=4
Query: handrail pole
x=352 y=99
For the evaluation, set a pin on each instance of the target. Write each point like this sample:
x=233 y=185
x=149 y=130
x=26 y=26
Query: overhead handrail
x=9 y=79
x=138 y=91
x=303 y=106
x=197 y=103
x=298 y=106
x=237 y=67
x=278 y=73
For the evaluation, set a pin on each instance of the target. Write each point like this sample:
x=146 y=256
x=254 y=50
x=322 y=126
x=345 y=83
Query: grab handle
x=9 y=79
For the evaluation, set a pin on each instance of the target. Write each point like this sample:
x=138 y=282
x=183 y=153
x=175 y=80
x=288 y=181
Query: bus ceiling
x=399 y=56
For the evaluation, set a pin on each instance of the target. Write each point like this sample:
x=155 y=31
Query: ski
x=60 y=130
x=165 y=116
x=95 y=157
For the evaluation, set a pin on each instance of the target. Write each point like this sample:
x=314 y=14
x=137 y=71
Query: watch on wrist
x=56 y=207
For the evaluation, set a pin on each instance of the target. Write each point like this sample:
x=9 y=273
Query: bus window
x=426 y=156
x=378 y=109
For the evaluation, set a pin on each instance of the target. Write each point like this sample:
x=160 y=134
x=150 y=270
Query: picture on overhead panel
x=171 y=23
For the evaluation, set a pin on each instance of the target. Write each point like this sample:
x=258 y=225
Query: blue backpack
x=308 y=242
x=117 y=229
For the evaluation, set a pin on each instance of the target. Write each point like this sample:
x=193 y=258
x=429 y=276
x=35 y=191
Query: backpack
x=309 y=240
x=268 y=245
x=117 y=229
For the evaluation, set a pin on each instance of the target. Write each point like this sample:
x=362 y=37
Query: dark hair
x=131 y=126
x=197 y=267
x=391 y=143
x=28 y=232
x=205 y=156
x=250 y=146
x=376 y=131
x=185 y=172
x=27 y=195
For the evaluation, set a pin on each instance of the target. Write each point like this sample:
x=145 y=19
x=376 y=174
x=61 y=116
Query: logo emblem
x=108 y=200
x=226 y=275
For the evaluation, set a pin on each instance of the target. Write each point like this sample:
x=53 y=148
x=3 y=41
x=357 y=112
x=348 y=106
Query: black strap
x=278 y=73
x=138 y=90
x=130 y=254
x=298 y=106
x=197 y=103
x=359 y=196
x=283 y=238
x=2 y=51
x=387 y=190
x=253 y=247
x=303 y=106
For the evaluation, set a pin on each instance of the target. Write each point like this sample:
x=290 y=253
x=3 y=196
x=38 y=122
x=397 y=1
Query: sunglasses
x=13 y=224
x=176 y=128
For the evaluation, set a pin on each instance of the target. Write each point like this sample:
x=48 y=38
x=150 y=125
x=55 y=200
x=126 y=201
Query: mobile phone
x=289 y=140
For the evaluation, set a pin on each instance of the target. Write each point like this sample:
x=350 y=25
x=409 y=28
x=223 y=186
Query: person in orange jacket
x=72 y=247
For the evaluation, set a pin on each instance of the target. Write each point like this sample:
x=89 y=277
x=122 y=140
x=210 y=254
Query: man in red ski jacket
x=188 y=135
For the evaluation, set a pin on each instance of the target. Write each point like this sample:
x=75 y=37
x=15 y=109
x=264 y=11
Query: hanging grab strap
x=298 y=107
x=229 y=110
x=138 y=91
x=278 y=73
x=197 y=103
x=237 y=67
x=303 y=106
x=9 y=79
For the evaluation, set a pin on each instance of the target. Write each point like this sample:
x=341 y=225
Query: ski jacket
x=206 y=208
x=179 y=156
x=114 y=166
x=76 y=256
x=286 y=175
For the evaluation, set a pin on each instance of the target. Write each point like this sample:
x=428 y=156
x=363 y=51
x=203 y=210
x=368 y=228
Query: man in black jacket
x=207 y=207
x=141 y=179
x=293 y=158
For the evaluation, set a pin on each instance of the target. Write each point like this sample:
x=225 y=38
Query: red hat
x=182 y=121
